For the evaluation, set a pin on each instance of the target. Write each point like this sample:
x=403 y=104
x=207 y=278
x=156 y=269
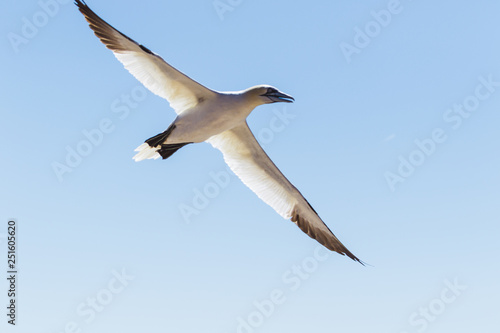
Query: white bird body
x=209 y=118
x=218 y=118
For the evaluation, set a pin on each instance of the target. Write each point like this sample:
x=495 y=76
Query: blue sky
x=393 y=138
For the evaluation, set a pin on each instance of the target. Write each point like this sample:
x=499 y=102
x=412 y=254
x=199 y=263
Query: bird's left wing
x=150 y=69
x=251 y=164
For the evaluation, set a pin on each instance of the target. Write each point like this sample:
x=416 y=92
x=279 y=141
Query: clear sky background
x=377 y=141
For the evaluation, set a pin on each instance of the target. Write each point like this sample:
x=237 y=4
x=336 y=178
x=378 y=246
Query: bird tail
x=156 y=147
x=151 y=148
x=145 y=152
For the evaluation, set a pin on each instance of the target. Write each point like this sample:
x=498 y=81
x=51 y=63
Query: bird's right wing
x=251 y=164
x=150 y=69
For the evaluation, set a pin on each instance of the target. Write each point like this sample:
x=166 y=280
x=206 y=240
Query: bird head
x=265 y=94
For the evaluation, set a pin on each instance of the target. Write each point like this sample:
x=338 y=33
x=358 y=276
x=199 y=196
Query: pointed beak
x=279 y=97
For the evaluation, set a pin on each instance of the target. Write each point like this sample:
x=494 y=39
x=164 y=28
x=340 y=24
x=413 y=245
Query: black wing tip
x=99 y=26
x=353 y=257
x=81 y=4
x=86 y=11
x=344 y=251
x=330 y=241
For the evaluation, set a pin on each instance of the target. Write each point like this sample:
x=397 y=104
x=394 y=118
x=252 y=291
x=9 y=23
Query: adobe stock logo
x=93 y=138
x=428 y=314
x=453 y=117
x=224 y=6
x=31 y=25
x=363 y=36
x=291 y=279
x=95 y=304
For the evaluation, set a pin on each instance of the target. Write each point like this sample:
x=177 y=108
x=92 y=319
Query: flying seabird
x=218 y=118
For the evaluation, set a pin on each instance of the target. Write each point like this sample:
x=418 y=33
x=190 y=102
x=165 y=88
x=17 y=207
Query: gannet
x=219 y=118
